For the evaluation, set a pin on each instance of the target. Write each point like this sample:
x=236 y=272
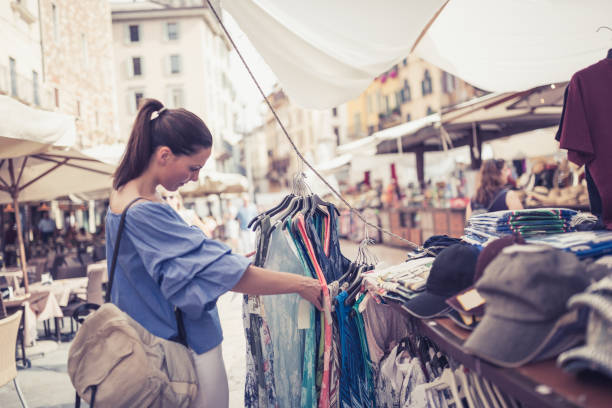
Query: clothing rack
x=540 y=384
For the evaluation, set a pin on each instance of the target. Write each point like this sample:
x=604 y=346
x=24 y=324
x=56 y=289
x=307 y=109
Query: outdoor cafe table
x=62 y=289
x=37 y=306
x=13 y=274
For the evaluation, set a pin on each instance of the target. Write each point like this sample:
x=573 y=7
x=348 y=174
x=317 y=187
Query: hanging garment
x=259 y=388
x=586 y=127
x=282 y=320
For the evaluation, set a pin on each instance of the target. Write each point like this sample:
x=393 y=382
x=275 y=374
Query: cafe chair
x=8 y=365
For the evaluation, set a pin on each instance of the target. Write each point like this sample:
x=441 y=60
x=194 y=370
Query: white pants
x=213 y=389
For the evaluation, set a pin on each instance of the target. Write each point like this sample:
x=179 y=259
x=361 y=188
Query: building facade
x=174 y=51
x=410 y=90
x=316 y=133
x=77 y=55
x=21 y=62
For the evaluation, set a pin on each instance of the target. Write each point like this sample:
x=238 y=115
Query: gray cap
x=527 y=288
x=596 y=355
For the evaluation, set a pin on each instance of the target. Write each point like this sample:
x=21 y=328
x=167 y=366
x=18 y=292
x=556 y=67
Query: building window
x=55 y=17
x=175 y=64
x=337 y=134
x=426 y=86
x=429 y=111
x=387 y=105
x=177 y=98
x=408 y=117
x=406 y=94
x=56 y=95
x=13 y=74
x=448 y=82
x=137 y=97
x=172 y=31
x=399 y=98
x=136 y=66
x=370 y=129
x=84 y=51
x=334 y=112
x=134 y=33
x=35 y=88
x=405 y=61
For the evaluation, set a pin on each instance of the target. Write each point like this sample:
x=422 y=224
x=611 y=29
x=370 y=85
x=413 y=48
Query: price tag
x=470 y=300
x=303 y=318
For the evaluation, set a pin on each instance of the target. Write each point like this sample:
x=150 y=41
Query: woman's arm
x=468 y=211
x=260 y=281
x=512 y=201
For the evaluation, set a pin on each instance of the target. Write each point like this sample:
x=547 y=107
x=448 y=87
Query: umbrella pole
x=15 y=195
x=22 y=255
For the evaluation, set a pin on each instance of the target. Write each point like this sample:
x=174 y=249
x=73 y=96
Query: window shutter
x=130 y=98
x=166 y=65
x=129 y=68
x=165 y=31
x=178 y=30
x=126 y=34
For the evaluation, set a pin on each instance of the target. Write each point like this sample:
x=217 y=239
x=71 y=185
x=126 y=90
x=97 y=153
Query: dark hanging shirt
x=586 y=128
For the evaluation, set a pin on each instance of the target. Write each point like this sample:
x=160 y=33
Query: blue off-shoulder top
x=164 y=263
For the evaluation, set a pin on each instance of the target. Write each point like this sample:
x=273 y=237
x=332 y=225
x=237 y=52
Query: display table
x=540 y=384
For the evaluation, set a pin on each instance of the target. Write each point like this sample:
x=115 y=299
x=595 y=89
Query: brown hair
x=490 y=181
x=178 y=129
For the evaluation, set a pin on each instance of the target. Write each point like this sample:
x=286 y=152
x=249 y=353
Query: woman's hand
x=311 y=291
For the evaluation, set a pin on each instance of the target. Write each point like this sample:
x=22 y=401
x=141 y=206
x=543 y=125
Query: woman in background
x=491 y=193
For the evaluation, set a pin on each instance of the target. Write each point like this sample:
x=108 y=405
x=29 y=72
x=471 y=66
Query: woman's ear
x=163 y=155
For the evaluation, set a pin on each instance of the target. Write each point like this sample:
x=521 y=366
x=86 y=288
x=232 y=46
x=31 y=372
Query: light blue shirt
x=164 y=263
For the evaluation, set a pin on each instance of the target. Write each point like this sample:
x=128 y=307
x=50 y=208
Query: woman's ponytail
x=139 y=147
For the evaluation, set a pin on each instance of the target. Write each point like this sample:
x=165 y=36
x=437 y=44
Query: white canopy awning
x=326 y=53
x=369 y=143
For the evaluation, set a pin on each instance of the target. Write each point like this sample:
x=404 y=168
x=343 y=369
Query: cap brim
x=427 y=305
x=507 y=343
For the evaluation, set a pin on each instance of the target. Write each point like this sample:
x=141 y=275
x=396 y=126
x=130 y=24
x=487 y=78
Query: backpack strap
x=116 y=249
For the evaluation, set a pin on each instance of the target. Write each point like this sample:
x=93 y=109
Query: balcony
x=24 y=90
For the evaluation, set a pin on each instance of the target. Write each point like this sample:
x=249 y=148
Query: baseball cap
x=596 y=354
x=452 y=271
x=468 y=302
x=526 y=288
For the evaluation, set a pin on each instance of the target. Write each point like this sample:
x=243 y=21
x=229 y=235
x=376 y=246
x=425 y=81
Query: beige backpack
x=127 y=365
x=115 y=362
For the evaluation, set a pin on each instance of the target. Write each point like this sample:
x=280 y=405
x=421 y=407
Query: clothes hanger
x=465 y=388
x=486 y=402
x=610 y=50
x=495 y=392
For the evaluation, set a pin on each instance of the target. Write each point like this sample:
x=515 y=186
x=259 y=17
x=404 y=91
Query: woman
x=491 y=194
x=164 y=263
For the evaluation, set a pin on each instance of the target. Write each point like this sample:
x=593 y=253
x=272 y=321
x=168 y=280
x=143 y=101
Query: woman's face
x=505 y=174
x=180 y=169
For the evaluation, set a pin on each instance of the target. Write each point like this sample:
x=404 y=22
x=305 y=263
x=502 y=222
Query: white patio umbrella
x=36 y=162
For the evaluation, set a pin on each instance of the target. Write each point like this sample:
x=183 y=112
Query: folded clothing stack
x=583 y=244
x=545 y=221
